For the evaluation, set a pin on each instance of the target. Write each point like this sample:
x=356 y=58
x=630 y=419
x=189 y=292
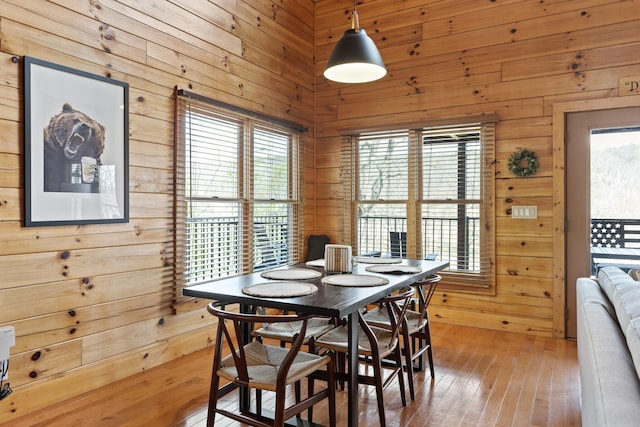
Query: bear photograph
x=73 y=144
x=76 y=146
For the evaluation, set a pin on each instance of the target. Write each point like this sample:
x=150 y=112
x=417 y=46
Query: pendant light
x=355 y=58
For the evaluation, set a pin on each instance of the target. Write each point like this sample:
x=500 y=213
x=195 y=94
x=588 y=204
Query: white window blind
x=212 y=148
x=274 y=196
x=456 y=203
x=382 y=191
x=425 y=192
x=237 y=194
x=383 y=166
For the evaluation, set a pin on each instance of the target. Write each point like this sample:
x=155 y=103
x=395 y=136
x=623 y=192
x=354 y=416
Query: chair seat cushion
x=337 y=340
x=379 y=317
x=263 y=363
x=285 y=331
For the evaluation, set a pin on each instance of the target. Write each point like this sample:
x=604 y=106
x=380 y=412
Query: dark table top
x=330 y=300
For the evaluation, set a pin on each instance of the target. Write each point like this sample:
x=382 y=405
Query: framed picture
x=76 y=146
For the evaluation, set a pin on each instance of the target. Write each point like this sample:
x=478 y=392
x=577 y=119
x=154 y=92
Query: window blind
x=456 y=202
x=236 y=194
x=382 y=191
x=424 y=192
x=274 y=205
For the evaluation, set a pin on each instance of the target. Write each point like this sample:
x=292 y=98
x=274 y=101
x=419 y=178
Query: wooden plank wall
x=455 y=58
x=90 y=304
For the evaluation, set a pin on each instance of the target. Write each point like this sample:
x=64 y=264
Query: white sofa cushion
x=609 y=382
x=624 y=294
x=590 y=291
x=633 y=342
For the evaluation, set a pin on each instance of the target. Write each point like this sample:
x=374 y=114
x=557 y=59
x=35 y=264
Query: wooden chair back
x=396 y=307
x=425 y=289
x=230 y=333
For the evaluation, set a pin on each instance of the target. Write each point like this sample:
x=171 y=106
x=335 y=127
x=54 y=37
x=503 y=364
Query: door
x=585 y=131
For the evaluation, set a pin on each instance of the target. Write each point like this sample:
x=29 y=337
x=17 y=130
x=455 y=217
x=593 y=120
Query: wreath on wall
x=523 y=163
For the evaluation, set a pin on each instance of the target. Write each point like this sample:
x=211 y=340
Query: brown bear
x=73 y=144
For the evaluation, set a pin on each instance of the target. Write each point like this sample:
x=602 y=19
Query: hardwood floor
x=483 y=378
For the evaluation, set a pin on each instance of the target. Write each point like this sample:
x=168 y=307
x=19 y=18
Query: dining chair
x=420 y=328
x=271 y=246
x=315 y=246
x=398 y=244
x=262 y=367
x=374 y=345
x=284 y=332
x=415 y=327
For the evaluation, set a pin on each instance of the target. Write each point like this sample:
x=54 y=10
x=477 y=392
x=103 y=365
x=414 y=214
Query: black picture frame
x=76 y=146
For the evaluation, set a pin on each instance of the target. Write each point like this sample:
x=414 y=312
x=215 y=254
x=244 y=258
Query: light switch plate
x=524 y=212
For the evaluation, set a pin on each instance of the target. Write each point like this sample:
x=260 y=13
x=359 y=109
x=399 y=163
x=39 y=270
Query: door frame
x=560 y=110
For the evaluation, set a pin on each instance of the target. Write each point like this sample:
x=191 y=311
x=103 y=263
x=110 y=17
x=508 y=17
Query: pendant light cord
x=355 y=22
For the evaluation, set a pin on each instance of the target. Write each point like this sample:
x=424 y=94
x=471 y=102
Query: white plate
x=280 y=289
x=291 y=274
x=316 y=263
x=393 y=269
x=354 y=280
x=377 y=260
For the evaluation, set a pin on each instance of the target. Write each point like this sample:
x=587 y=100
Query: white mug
x=338 y=258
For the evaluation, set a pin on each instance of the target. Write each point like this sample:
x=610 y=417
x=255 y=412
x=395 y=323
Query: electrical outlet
x=524 y=212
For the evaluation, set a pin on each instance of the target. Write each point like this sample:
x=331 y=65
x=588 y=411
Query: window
x=456 y=202
x=237 y=193
x=382 y=189
x=423 y=193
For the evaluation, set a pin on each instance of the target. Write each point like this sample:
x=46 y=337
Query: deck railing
x=214 y=244
x=442 y=236
x=615 y=233
x=615 y=242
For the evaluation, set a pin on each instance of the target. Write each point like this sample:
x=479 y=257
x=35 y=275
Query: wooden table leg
x=353 y=329
x=245 y=395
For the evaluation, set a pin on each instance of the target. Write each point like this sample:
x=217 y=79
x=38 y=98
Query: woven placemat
x=393 y=269
x=280 y=289
x=354 y=280
x=376 y=260
x=292 y=274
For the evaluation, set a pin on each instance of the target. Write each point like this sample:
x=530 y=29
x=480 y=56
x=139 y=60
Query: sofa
x=608 y=316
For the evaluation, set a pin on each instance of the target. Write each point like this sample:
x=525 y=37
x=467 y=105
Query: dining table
x=337 y=296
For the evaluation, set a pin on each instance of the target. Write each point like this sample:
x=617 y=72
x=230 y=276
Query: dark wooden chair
x=398 y=244
x=420 y=327
x=285 y=332
x=374 y=345
x=416 y=328
x=315 y=246
x=271 y=247
x=267 y=368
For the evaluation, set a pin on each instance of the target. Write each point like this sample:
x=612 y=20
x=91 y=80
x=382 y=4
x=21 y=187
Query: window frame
x=482 y=282
x=289 y=137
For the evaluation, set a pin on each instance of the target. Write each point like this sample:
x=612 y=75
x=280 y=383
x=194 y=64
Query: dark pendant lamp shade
x=355 y=58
